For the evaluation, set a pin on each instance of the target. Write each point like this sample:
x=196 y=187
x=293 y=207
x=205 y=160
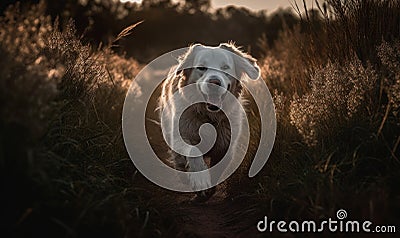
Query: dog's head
x=223 y=66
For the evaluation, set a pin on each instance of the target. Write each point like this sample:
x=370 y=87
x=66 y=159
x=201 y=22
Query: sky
x=269 y=5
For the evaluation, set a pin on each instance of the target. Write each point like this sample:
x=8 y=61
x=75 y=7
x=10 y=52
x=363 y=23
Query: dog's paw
x=204 y=195
x=200 y=180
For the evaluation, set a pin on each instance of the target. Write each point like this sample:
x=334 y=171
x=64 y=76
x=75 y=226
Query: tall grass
x=335 y=81
x=64 y=167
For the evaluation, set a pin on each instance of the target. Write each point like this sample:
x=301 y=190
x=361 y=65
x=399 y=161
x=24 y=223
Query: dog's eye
x=202 y=68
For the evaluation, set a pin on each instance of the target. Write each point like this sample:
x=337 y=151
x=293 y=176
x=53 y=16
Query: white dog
x=223 y=66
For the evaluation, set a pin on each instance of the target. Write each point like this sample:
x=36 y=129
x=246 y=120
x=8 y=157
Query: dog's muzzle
x=215 y=95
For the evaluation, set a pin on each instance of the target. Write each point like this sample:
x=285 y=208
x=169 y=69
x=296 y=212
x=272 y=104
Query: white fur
x=210 y=63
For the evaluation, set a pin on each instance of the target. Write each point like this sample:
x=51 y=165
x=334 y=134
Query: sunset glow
x=251 y=4
x=131 y=1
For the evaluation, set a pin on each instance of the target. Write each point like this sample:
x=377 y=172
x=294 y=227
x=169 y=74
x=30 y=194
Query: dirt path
x=218 y=217
x=221 y=216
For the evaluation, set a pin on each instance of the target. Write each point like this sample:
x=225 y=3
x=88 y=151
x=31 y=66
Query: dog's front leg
x=200 y=177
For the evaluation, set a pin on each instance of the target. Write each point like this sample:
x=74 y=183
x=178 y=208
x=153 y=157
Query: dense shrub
x=389 y=55
x=337 y=98
x=336 y=87
x=63 y=166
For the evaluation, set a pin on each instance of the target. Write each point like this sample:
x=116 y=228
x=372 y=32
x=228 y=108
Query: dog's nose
x=215 y=80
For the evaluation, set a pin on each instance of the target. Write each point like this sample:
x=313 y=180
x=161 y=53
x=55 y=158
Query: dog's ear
x=245 y=63
x=186 y=61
